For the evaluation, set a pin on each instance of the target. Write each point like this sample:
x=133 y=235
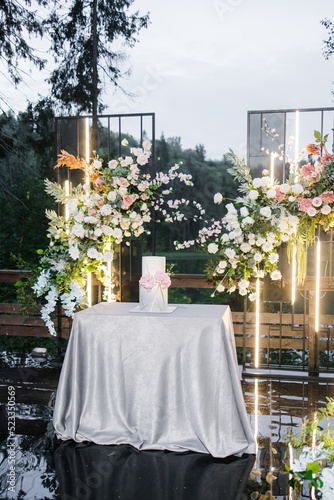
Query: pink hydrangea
x=327 y=158
x=279 y=195
x=308 y=172
x=163 y=279
x=305 y=204
x=327 y=197
x=147 y=281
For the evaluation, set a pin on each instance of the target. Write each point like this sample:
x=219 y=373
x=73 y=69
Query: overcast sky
x=201 y=64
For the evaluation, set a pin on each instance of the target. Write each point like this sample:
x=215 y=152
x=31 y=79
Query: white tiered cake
x=152 y=296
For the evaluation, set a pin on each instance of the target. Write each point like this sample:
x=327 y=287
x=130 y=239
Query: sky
x=202 y=64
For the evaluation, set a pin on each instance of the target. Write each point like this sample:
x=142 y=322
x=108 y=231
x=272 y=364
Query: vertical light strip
x=272 y=168
x=317 y=289
x=294 y=270
x=89 y=275
x=257 y=324
x=67 y=192
x=256 y=413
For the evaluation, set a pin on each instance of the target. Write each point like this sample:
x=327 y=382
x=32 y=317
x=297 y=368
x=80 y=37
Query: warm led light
x=272 y=168
x=257 y=323
x=256 y=412
x=317 y=288
x=294 y=272
x=89 y=289
x=67 y=192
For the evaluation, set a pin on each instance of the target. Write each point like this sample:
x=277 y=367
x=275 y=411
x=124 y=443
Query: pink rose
x=326 y=209
x=311 y=211
x=123 y=182
x=142 y=159
x=144 y=196
x=99 y=181
x=100 y=202
x=92 y=212
x=163 y=279
x=128 y=200
x=316 y=202
x=147 y=281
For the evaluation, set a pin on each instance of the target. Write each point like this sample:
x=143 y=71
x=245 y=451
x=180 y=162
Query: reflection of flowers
x=148 y=281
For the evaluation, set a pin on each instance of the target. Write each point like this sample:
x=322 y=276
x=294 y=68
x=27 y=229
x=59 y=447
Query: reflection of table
x=155 y=381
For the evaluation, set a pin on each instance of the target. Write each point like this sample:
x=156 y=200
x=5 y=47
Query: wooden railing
x=277 y=330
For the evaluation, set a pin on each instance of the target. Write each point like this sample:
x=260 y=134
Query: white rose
x=224 y=238
x=230 y=253
x=245 y=247
x=265 y=212
x=231 y=289
x=105 y=210
x=291 y=199
x=222 y=264
x=112 y=195
x=213 y=248
x=265 y=181
x=98 y=231
x=220 y=288
x=260 y=241
x=253 y=194
x=273 y=258
x=252 y=296
x=231 y=208
x=78 y=231
x=276 y=275
x=247 y=220
x=72 y=205
x=124 y=142
x=260 y=273
x=117 y=233
x=284 y=188
x=265 y=172
x=244 y=211
x=218 y=198
x=108 y=256
x=243 y=283
x=311 y=211
x=326 y=209
x=242 y=291
x=97 y=164
x=122 y=191
x=107 y=230
x=257 y=183
x=267 y=247
x=297 y=188
x=293 y=220
x=258 y=257
x=271 y=193
x=317 y=202
x=95 y=196
x=79 y=216
x=74 y=252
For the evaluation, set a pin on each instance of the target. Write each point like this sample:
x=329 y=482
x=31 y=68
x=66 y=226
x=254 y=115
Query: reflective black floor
x=48 y=469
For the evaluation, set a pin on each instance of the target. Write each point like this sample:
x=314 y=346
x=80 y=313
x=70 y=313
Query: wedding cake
x=153 y=285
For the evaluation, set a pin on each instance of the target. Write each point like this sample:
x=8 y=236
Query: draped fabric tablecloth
x=154 y=381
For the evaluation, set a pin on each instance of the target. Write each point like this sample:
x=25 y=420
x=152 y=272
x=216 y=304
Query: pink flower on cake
x=163 y=279
x=147 y=281
x=128 y=200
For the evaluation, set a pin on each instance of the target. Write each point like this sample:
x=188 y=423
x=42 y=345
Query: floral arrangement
x=266 y=214
x=111 y=206
x=148 y=281
x=315 y=463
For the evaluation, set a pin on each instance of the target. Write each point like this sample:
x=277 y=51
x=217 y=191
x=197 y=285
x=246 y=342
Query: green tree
x=82 y=37
x=17 y=19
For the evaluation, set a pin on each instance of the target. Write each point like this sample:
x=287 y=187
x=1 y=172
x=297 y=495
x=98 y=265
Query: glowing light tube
x=317 y=289
x=294 y=273
x=257 y=324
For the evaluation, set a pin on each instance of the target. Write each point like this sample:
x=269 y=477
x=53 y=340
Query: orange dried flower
x=312 y=149
x=70 y=161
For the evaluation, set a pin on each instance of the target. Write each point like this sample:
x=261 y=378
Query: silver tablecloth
x=154 y=381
